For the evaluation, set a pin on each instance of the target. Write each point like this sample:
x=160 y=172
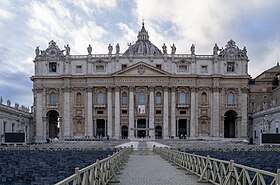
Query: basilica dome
x=143 y=46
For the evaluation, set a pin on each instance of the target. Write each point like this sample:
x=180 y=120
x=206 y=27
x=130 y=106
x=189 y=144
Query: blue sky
x=24 y=25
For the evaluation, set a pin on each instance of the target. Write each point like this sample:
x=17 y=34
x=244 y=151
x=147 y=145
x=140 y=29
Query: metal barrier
x=217 y=171
x=99 y=173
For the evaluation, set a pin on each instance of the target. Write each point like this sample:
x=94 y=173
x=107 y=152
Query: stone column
x=66 y=112
x=45 y=128
x=117 y=113
x=152 y=113
x=39 y=116
x=173 y=112
x=131 y=113
x=89 y=113
x=193 y=112
x=165 y=113
x=109 y=112
x=215 y=112
x=244 y=110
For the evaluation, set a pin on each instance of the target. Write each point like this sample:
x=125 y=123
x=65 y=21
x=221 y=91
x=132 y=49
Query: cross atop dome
x=143 y=34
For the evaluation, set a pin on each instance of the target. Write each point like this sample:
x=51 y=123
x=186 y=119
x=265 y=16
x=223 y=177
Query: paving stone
x=145 y=167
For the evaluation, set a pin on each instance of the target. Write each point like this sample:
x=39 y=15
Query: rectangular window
x=124 y=66
x=183 y=68
x=99 y=112
x=78 y=69
x=124 y=111
x=183 y=112
x=13 y=127
x=204 y=69
x=158 y=66
x=277 y=130
x=230 y=67
x=52 y=67
x=100 y=68
x=158 y=111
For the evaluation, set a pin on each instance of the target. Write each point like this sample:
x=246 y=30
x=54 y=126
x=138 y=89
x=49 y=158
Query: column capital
x=151 y=88
x=173 y=89
x=245 y=90
x=131 y=88
x=165 y=88
x=89 y=89
x=193 y=89
x=117 y=88
x=38 y=90
x=66 y=89
x=109 y=89
x=216 y=89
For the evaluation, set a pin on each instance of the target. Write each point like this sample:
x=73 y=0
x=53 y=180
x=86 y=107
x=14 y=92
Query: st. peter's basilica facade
x=143 y=92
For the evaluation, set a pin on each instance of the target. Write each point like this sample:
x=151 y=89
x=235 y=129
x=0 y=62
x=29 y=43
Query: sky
x=24 y=25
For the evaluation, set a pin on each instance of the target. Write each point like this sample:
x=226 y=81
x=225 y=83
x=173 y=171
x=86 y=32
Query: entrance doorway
x=124 y=132
x=182 y=125
x=229 y=124
x=100 y=128
x=53 y=124
x=158 y=132
x=141 y=125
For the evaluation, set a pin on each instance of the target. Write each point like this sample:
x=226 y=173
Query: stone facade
x=15 y=119
x=143 y=92
x=264 y=106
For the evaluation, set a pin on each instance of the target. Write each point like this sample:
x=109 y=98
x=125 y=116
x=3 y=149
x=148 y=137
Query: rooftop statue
x=215 y=49
x=67 y=49
x=192 y=49
x=164 y=49
x=110 y=48
x=37 y=51
x=89 y=49
x=173 y=49
x=117 y=48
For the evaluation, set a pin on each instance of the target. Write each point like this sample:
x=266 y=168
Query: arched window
x=230 y=98
x=53 y=99
x=79 y=98
x=100 y=98
x=158 y=98
x=204 y=98
x=141 y=97
x=182 y=97
x=124 y=98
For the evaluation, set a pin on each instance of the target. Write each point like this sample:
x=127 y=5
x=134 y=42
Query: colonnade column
x=193 y=112
x=117 y=113
x=66 y=112
x=216 y=112
x=173 y=112
x=109 y=112
x=89 y=113
x=131 y=113
x=152 y=113
x=39 y=116
x=165 y=113
x=244 y=110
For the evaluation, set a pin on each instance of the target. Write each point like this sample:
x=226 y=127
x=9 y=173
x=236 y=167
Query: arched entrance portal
x=100 y=128
x=229 y=124
x=182 y=124
x=141 y=128
x=53 y=124
x=124 y=132
x=158 y=132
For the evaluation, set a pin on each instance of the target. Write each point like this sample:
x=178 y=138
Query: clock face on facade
x=231 y=52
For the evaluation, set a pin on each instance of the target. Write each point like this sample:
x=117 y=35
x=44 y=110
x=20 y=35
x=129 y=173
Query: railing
x=100 y=172
x=217 y=171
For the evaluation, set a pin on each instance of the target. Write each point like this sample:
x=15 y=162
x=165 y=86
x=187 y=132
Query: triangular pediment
x=141 y=69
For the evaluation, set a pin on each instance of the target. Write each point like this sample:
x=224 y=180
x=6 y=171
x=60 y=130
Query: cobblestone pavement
x=146 y=168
